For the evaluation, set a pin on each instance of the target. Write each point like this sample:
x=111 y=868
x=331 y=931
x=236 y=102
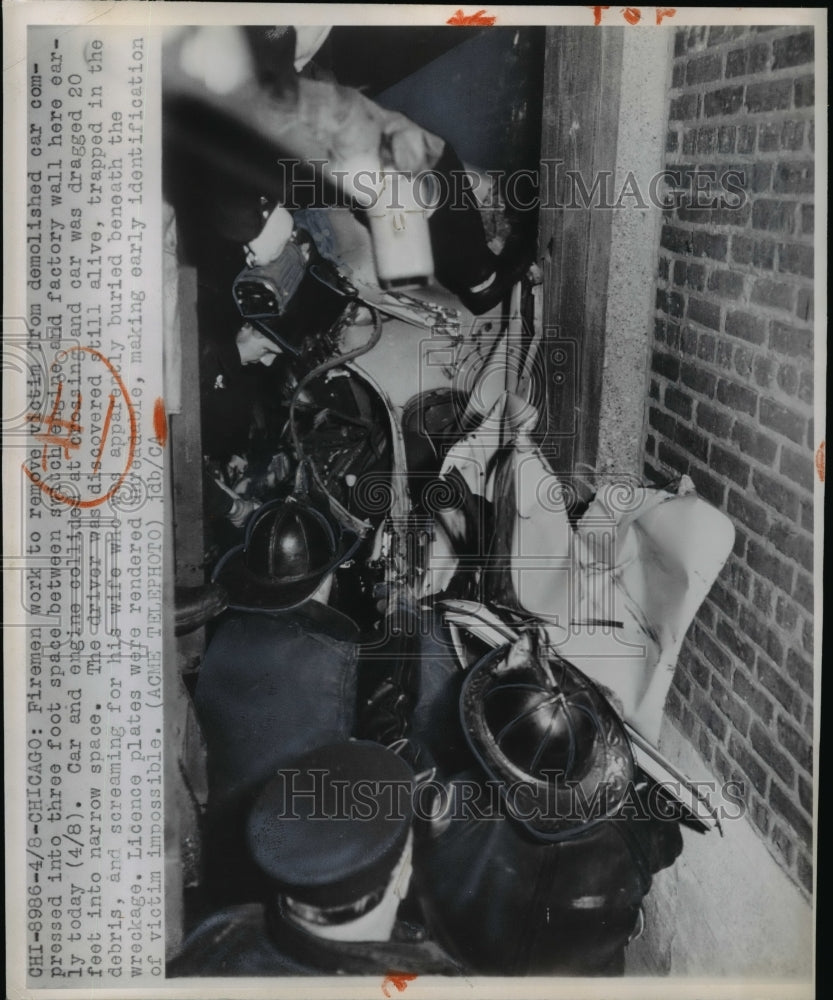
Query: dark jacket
x=271 y=687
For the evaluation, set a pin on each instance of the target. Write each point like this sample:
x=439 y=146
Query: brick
x=771 y=566
x=783 y=420
x=726 y=101
x=734 y=641
x=672 y=335
x=783 y=844
x=688 y=341
x=739 y=547
x=749 y=764
x=769 y=137
x=805 y=794
x=692 y=442
x=662 y=268
x=776 y=216
x=684 y=108
x=774 y=95
x=713 y=420
x=803 y=592
x=753 y=696
x=795 y=743
x=758 y=253
x=787 y=810
x=739 y=577
x=779 y=687
x=689 y=141
x=796 y=258
x=792 y=341
x=706 y=347
x=708 y=486
x=676 y=240
x=712 y=245
x=808 y=213
x=804 y=867
x=808 y=722
x=726 y=137
x=744 y=360
x=678 y=76
x=775 y=493
x=753 y=59
x=752 y=514
x=752 y=443
x=775 y=294
x=746 y=139
x=724 y=355
x=706 y=616
x=807 y=639
x=794 y=178
x=804 y=305
x=762 y=599
x=738 y=397
x=746 y=326
x=672 y=141
x=696 y=378
x=666 y=365
x=675 y=305
x=800 y=670
x=786 y=614
x=794 y=50
x=765 y=747
x=793 y=544
x=708 y=714
x=759 y=632
x=807 y=514
x=729 y=284
x=671 y=457
x=734 y=710
x=678 y=402
x=689 y=275
x=760 y=178
x=650 y=444
x=792 y=135
x=797 y=468
x=759 y=814
x=787 y=379
x=727 y=463
x=805 y=92
x=706 y=140
x=712 y=651
x=699 y=672
x=764 y=371
x=704 y=69
x=662 y=422
x=724 y=600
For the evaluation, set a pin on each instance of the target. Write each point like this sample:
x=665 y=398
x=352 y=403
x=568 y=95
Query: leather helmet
x=289 y=547
x=544 y=731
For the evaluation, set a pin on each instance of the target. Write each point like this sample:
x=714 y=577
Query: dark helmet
x=548 y=735
x=290 y=546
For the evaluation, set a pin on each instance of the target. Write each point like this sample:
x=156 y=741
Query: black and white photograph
x=415 y=474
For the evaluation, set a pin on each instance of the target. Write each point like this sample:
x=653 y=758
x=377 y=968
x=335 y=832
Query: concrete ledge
x=724 y=908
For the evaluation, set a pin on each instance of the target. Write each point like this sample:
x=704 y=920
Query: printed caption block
x=92 y=478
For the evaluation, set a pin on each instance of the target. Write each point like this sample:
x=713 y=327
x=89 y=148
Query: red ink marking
x=632 y=15
x=820 y=461
x=160 y=421
x=481 y=18
x=71 y=443
x=597 y=13
x=399 y=980
x=665 y=12
x=106 y=430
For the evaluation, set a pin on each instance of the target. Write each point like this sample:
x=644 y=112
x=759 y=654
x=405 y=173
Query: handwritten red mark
x=665 y=12
x=160 y=421
x=68 y=435
x=820 y=461
x=399 y=980
x=597 y=14
x=481 y=18
x=632 y=15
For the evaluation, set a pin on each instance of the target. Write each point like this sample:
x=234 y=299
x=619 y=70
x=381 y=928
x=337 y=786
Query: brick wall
x=731 y=404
